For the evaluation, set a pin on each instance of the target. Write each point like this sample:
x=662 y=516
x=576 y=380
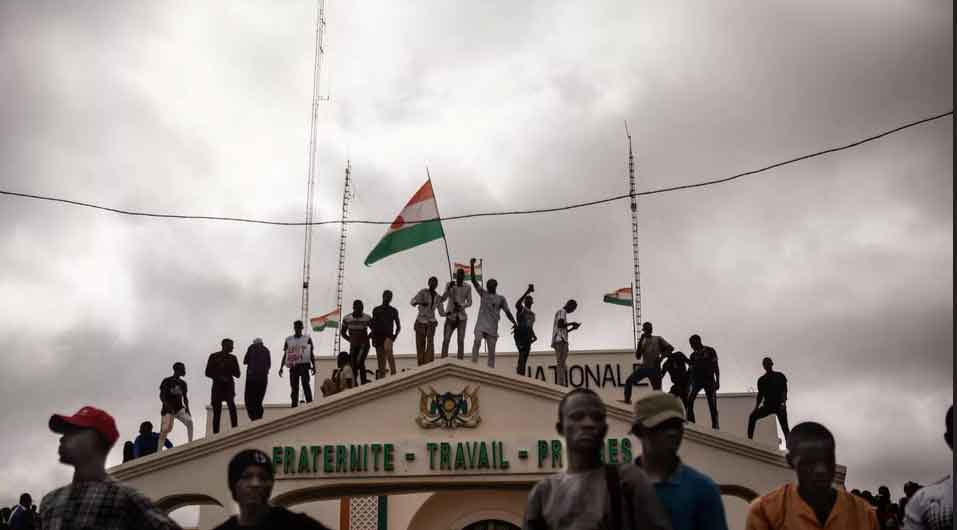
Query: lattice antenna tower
x=636 y=285
x=340 y=278
x=313 y=170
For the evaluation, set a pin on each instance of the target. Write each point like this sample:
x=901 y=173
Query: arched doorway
x=491 y=524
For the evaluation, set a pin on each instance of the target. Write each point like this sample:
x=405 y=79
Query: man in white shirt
x=560 y=331
x=427 y=301
x=298 y=356
x=459 y=296
x=932 y=507
x=486 y=325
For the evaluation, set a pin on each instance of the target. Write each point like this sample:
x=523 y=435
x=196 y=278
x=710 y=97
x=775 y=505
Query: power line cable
x=484 y=214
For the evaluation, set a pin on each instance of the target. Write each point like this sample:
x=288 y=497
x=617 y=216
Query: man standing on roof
x=459 y=296
x=298 y=356
x=486 y=325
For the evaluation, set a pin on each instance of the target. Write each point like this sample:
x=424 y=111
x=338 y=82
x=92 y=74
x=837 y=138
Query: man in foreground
x=93 y=499
x=690 y=497
x=814 y=502
x=588 y=495
x=251 y=480
x=932 y=507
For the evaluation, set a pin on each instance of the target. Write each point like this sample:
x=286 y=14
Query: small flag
x=465 y=267
x=619 y=297
x=407 y=231
x=329 y=320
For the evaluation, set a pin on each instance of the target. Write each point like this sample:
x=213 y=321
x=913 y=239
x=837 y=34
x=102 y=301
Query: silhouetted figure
x=342 y=378
x=910 y=488
x=20 y=516
x=128 y=451
x=385 y=329
x=250 y=479
x=588 y=494
x=704 y=376
x=524 y=328
x=932 y=507
x=772 y=399
x=459 y=297
x=561 y=327
x=355 y=329
x=427 y=301
x=486 y=324
x=690 y=497
x=813 y=501
x=651 y=348
x=257 y=361
x=676 y=366
x=93 y=499
x=148 y=441
x=223 y=368
x=4 y=517
x=297 y=354
x=175 y=399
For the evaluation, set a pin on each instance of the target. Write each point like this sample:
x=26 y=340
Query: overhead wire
x=485 y=214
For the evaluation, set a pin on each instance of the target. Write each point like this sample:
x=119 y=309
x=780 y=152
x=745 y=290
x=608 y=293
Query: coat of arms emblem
x=448 y=410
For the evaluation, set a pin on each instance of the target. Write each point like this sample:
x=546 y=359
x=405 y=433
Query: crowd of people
x=656 y=491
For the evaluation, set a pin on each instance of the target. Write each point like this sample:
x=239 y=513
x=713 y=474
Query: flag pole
x=448 y=257
x=634 y=325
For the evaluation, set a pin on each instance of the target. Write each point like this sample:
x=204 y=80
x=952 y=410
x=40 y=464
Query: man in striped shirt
x=355 y=329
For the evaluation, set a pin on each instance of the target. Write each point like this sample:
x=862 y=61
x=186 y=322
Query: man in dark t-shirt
x=385 y=329
x=524 y=328
x=258 y=362
x=676 y=366
x=222 y=367
x=175 y=405
x=704 y=376
x=772 y=396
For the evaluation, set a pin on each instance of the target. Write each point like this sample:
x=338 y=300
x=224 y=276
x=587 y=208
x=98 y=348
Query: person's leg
x=430 y=341
x=756 y=415
x=306 y=382
x=363 y=355
x=166 y=426
x=655 y=379
x=261 y=397
x=461 y=337
x=712 y=396
x=186 y=420
x=561 y=363
x=476 y=345
x=248 y=399
x=294 y=386
x=523 y=351
x=633 y=379
x=783 y=420
x=380 y=360
x=420 y=329
x=354 y=351
x=390 y=355
x=692 y=397
x=233 y=417
x=217 y=413
x=490 y=342
x=447 y=336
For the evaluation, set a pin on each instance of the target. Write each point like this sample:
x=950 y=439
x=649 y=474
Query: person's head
x=179 y=369
x=646 y=328
x=910 y=488
x=659 y=424
x=768 y=364
x=571 y=306
x=5 y=514
x=386 y=297
x=695 y=341
x=949 y=423
x=297 y=327
x=492 y=285
x=227 y=345
x=358 y=307
x=146 y=427
x=26 y=500
x=885 y=492
x=856 y=491
x=582 y=421
x=811 y=449
x=342 y=359
x=87 y=436
x=459 y=276
x=250 y=477
x=433 y=283
x=528 y=302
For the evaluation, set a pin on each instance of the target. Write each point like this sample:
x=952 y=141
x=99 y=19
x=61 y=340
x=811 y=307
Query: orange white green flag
x=620 y=297
x=322 y=322
x=416 y=224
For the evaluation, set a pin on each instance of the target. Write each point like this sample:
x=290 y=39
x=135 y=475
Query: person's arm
x=475 y=283
x=235 y=371
x=709 y=513
x=760 y=398
x=143 y=514
x=646 y=509
x=445 y=294
x=784 y=395
x=312 y=356
x=344 y=330
x=665 y=347
x=914 y=513
x=757 y=520
x=210 y=373
x=534 y=337
x=268 y=359
x=717 y=371
x=534 y=518
x=185 y=399
x=508 y=313
x=529 y=290
x=468 y=299
x=398 y=323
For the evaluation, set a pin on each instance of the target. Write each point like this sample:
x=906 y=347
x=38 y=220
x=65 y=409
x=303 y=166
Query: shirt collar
x=675 y=477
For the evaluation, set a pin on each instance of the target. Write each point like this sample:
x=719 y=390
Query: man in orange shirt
x=813 y=503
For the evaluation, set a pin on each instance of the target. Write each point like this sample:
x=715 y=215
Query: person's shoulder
x=53 y=496
x=632 y=473
x=773 y=498
x=700 y=478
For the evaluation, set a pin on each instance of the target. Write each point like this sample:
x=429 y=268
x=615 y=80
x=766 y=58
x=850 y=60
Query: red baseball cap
x=87 y=418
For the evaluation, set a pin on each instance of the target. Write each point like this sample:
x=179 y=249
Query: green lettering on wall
x=459 y=456
x=503 y=463
x=376 y=451
x=542 y=452
x=365 y=457
x=612 y=451
x=328 y=455
x=303 y=460
x=494 y=455
x=445 y=456
x=389 y=458
x=483 y=456
x=626 y=455
x=289 y=460
x=314 y=450
x=342 y=463
x=355 y=458
x=431 y=447
x=557 y=454
x=471 y=451
x=276 y=458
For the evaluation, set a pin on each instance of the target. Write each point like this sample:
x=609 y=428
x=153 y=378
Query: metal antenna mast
x=346 y=196
x=311 y=185
x=636 y=286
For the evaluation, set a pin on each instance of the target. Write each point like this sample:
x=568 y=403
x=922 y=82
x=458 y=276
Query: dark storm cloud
x=839 y=267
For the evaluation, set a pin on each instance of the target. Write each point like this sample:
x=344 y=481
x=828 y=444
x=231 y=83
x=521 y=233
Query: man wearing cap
x=93 y=499
x=250 y=478
x=691 y=498
x=257 y=361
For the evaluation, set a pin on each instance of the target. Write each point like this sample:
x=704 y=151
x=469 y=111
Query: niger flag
x=416 y=224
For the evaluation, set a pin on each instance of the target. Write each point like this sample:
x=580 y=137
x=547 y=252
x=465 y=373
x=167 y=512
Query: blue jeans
x=651 y=372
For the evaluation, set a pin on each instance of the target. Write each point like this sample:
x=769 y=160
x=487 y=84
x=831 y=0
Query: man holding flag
x=486 y=325
x=459 y=296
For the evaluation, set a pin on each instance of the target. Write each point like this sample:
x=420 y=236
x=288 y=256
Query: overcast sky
x=838 y=267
